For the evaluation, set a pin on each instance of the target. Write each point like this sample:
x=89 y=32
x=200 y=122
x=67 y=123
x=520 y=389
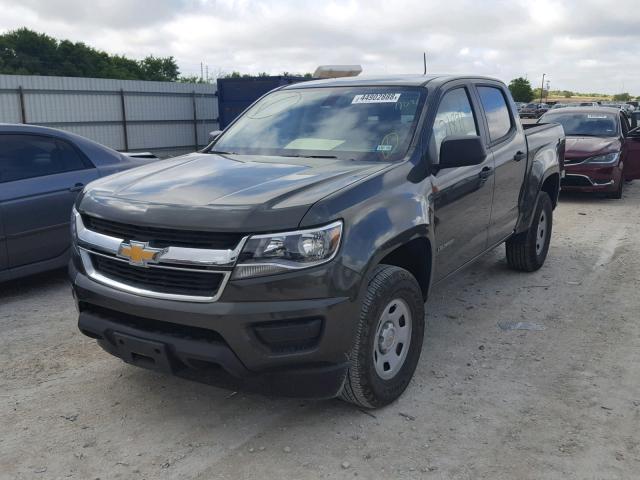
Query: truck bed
x=531 y=128
x=541 y=136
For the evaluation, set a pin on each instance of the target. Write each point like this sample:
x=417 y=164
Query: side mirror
x=462 y=151
x=214 y=134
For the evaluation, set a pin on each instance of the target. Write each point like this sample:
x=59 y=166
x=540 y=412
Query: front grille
x=575 y=181
x=161 y=280
x=149 y=325
x=163 y=237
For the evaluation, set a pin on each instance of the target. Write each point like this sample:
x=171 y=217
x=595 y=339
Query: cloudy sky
x=586 y=45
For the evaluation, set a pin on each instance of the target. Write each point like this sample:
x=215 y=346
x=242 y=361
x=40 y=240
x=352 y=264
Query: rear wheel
x=528 y=250
x=388 y=339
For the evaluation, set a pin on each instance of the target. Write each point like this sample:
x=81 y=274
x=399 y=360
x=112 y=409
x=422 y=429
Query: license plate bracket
x=143 y=353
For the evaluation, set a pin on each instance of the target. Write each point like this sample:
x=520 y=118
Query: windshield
x=363 y=123
x=584 y=124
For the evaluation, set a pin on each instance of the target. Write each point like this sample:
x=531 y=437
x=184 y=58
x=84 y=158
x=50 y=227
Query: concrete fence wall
x=128 y=115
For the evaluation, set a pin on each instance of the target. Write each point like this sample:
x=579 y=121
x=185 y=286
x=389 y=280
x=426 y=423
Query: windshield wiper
x=219 y=152
x=310 y=156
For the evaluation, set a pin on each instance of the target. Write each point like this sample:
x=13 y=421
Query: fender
x=545 y=163
x=381 y=213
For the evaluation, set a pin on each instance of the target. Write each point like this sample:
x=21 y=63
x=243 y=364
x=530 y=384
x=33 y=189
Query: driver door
x=630 y=151
x=632 y=158
x=462 y=196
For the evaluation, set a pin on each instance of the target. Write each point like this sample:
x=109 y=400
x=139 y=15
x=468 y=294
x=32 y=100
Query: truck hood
x=584 y=147
x=221 y=192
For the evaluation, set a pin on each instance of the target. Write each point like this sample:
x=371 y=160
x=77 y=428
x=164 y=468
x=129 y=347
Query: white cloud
x=581 y=45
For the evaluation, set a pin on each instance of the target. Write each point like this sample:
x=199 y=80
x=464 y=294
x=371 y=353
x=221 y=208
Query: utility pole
x=546 y=97
x=201 y=71
x=542 y=86
x=424 y=59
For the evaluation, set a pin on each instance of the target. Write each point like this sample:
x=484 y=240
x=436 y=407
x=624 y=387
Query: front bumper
x=294 y=347
x=591 y=178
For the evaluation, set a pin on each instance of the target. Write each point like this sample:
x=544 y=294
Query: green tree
x=567 y=93
x=536 y=94
x=233 y=74
x=161 y=69
x=193 y=79
x=521 y=90
x=621 y=97
x=26 y=52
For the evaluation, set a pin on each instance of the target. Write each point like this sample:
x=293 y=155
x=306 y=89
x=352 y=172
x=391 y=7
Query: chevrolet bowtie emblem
x=139 y=253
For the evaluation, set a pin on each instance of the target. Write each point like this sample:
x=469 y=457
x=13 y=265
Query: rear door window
x=30 y=156
x=497 y=112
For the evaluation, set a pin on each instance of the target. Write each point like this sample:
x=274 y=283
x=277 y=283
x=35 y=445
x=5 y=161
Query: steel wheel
x=541 y=236
x=388 y=339
x=392 y=339
x=528 y=250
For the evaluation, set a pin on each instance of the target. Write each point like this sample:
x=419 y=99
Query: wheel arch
x=540 y=180
x=412 y=251
x=551 y=185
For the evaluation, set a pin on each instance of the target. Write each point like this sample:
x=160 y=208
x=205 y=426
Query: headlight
x=608 y=158
x=282 y=252
x=74 y=228
x=74 y=215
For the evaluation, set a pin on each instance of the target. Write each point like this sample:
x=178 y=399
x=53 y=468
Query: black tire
x=618 y=193
x=363 y=385
x=528 y=250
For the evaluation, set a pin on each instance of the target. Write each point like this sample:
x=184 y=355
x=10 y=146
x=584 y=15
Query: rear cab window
x=497 y=112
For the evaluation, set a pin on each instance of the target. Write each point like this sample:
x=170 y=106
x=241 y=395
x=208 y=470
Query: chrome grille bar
x=172 y=258
x=173 y=255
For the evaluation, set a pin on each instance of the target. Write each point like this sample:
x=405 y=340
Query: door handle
x=77 y=187
x=519 y=156
x=486 y=172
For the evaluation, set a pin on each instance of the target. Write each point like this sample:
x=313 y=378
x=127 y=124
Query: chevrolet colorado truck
x=295 y=253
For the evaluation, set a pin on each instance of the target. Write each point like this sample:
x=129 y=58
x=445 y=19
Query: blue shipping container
x=236 y=94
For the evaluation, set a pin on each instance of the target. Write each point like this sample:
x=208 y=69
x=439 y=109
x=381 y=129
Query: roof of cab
x=410 y=80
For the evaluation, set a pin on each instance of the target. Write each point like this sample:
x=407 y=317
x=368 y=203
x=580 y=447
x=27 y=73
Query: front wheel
x=528 y=250
x=388 y=339
x=617 y=193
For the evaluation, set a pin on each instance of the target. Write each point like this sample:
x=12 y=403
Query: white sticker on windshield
x=596 y=116
x=377 y=98
x=384 y=148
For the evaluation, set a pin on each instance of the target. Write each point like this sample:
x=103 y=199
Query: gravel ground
x=559 y=400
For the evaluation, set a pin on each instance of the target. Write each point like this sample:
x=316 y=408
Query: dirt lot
x=561 y=401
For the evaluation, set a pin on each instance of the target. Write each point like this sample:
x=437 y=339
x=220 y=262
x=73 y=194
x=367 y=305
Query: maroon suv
x=602 y=151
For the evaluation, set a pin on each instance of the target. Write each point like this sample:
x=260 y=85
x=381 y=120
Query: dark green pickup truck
x=296 y=252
